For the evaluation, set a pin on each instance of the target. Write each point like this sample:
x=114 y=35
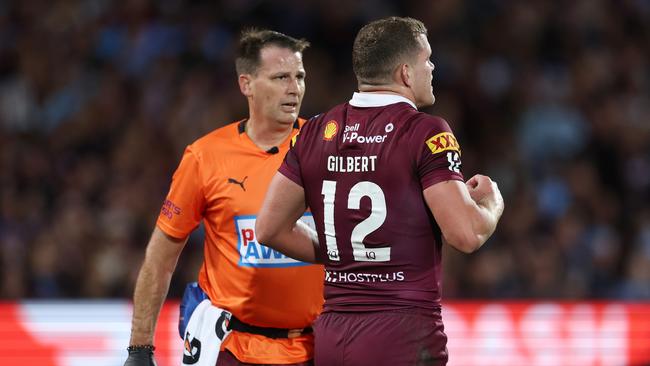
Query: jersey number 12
x=361 y=230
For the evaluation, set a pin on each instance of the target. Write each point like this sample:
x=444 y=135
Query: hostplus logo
x=347 y=277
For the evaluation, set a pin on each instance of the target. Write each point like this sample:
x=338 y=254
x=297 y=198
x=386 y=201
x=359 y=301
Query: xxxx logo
x=444 y=141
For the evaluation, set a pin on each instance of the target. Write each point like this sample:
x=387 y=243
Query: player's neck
x=393 y=89
x=267 y=134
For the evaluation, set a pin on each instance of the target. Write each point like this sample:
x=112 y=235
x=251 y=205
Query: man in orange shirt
x=266 y=301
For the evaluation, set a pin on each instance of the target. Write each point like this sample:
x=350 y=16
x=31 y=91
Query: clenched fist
x=485 y=192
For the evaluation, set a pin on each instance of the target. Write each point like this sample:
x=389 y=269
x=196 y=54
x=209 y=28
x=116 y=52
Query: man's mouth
x=289 y=107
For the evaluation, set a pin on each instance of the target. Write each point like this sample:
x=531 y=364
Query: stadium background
x=98 y=98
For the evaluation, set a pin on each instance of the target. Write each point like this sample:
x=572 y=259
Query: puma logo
x=241 y=184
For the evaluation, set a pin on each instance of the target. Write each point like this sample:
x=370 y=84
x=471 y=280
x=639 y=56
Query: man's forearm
x=489 y=217
x=490 y=210
x=152 y=285
x=150 y=291
x=307 y=234
x=277 y=224
x=297 y=242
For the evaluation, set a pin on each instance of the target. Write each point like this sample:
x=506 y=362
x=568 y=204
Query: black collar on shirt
x=241 y=127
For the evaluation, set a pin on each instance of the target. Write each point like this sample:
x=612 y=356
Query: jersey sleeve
x=183 y=208
x=439 y=154
x=290 y=167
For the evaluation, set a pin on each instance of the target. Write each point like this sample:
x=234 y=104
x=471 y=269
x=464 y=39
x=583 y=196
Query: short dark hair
x=383 y=44
x=252 y=41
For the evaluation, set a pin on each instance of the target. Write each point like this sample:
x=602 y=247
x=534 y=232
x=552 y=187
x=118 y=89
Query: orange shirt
x=222 y=179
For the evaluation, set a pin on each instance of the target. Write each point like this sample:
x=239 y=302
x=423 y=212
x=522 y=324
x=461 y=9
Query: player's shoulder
x=310 y=124
x=333 y=117
x=436 y=133
x=422 y=128
x=420 y=125
x=423 y=120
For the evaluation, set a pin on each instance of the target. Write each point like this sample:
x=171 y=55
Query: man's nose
x=294 y=86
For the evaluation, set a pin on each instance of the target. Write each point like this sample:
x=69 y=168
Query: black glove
x=140 y=356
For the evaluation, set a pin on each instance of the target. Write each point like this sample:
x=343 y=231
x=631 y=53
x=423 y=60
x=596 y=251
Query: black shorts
x=391 y=338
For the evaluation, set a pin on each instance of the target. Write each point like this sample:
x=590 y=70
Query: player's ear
x=404 y=74
x=245 y=84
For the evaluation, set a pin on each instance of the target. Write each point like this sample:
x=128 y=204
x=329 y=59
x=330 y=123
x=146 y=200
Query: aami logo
x=331 y=128
x=254 y=254
x=443 y=141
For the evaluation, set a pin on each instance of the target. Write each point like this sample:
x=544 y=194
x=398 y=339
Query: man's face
x=423 y=74
x=276 y=90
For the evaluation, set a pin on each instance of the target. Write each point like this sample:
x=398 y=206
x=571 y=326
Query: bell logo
x=331 y=128
x=444 y=141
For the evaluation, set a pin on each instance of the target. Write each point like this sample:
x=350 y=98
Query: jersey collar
x=377 y=100
x=241 y=126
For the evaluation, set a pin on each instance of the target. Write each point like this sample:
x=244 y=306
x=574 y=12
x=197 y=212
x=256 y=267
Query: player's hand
x=485 y=192
x=140 y=357
x=479 y=186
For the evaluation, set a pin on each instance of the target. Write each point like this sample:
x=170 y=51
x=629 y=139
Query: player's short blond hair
x=380 y=46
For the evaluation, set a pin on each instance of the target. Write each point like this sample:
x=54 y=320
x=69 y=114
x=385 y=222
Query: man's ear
x=405 y=76
x=245 y=84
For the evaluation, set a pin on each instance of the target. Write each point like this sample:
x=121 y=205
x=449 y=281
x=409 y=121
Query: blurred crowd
x=98 y=99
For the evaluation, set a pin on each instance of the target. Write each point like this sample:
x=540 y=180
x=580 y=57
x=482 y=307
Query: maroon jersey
x=363 y=166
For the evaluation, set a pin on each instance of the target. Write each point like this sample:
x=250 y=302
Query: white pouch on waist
x=206 y=330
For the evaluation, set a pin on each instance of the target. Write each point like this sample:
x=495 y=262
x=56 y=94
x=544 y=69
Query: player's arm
x=277 y=224
x=152 y=285
x=467 y=213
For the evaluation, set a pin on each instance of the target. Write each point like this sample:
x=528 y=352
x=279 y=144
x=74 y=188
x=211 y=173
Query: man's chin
x=288 y=118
